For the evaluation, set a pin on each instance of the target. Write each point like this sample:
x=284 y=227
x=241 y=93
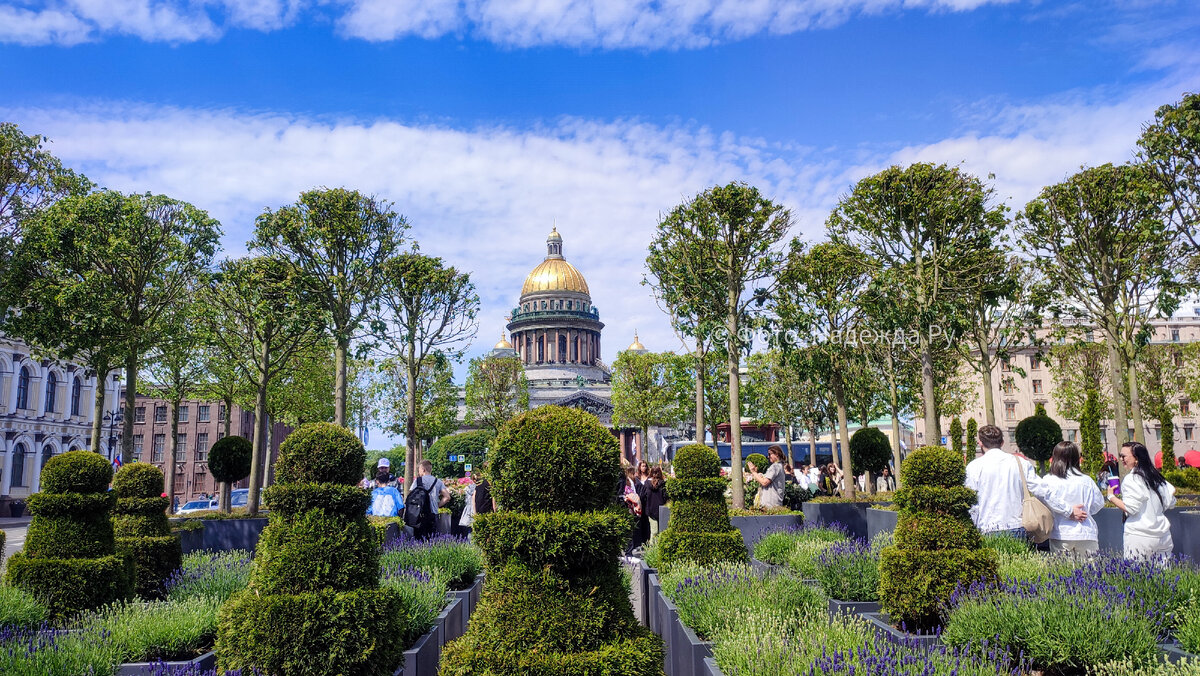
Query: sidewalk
x=9 y=522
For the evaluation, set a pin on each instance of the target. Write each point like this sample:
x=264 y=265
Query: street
x=14 y=534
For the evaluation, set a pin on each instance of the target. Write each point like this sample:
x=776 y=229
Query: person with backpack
x=385 y=499
x=426 y=496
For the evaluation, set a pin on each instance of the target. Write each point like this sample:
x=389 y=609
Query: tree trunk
x=844 y=434
x=339 y=385
x=933 y=427
x=735 y=409
x=410 y=420
x=228 y=414
x=791 y=460
x=260 y=429
x=641 y=448
x=985 y=372
x=131 y=367
x=1135 y=406
x=267 y=473
x=894 y=403
x=172 y=457
x=98 y=413
x=1116 y=377
x=223 y=498
x=700 y=398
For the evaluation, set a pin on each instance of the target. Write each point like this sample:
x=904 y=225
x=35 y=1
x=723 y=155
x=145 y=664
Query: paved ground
x=14 y=534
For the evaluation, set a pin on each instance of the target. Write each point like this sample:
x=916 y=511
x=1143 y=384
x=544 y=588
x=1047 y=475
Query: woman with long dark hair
x=1145 y=496
x=653 y=496
x=1071 y=486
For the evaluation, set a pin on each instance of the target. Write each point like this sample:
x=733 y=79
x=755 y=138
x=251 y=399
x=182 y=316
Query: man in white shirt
x=996 y=477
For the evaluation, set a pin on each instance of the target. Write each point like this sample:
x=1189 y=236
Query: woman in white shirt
x=1070 y=485
x=1145 y=496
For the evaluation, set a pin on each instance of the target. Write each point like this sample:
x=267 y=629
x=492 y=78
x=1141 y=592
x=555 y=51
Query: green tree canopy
x=1171 y=146
x=31 y=179
x=497 y=390
x=645 y=392
x=472 y=445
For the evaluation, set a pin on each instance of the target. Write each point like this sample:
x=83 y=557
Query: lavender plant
x=209 y=574
x=19 y=609
x=454 y=561
x=29 y=651
x=424 y=596
x=712 y=600
x=849 y=571
x=167 y=630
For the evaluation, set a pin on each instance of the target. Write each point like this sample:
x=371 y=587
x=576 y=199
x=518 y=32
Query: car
x=197 y=506
x=239 y=496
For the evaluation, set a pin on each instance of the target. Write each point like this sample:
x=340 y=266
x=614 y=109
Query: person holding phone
x=1145 y=496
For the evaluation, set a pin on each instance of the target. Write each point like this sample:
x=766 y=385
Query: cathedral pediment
x=586 y=401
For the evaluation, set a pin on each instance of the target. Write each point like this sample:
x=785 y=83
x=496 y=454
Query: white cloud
x=650 y=24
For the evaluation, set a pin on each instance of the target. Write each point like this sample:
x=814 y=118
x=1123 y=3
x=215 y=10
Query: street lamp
x=112 y=418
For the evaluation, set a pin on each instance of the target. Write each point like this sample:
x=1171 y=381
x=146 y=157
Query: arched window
x=568 y=305
x=562 y=349
x=51 y=391
x=23 y=389
x=76 y=393
x=47 y=453
x=541 y=349
x=18 y=468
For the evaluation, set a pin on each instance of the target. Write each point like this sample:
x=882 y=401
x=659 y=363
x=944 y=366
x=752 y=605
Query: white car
x=197 y=506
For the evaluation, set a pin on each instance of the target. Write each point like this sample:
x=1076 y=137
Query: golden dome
x=636 y=345
x=554 y=236
x=503 y=344
x=555 y=274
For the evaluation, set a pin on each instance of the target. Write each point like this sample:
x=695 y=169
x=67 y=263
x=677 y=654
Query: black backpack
x=416 y=506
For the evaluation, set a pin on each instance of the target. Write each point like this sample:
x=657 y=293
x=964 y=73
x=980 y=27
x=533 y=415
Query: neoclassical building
x=47 y=409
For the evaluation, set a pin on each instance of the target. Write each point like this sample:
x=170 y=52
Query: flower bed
x=454 y=561
x=799 y=548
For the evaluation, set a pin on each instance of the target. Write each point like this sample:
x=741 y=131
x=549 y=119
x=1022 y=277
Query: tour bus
x=800 y=450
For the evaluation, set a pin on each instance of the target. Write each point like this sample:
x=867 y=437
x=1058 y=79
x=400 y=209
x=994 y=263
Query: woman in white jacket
x=1145 y=496
x=1073 y=487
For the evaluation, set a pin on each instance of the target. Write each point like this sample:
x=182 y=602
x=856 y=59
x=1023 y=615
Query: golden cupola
x=555 y=274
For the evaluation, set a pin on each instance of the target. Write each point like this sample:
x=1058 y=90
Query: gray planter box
x=752 y=528
x=221 y=535
x=881 y=521
x=711 y=668
x=690 y=651
x=852 y=515
x=653 y=595
x=668 y=618
x=468 y=599
x=1185 y=532
x=1175 y=654
x=1112 y=529
x=204 y=662
x=450 y=620
x=763 y=568
x=422 y=658
x=883 y=627
x=190 y=540
x=852 y=607
x=639 y=591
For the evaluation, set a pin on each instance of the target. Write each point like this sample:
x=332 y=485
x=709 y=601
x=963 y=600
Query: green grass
x=19 y=609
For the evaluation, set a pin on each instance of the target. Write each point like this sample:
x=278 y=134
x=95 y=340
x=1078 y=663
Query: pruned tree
x=1171 y=146
x=1161 y=378
x=31 y=179
x=645 y=393
x=777 y=381
x=497 y=390
x=338 y=240
x=426 y=308
x=716 y=255
x=434 y=404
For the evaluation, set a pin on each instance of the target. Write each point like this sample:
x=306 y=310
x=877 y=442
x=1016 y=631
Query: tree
x=434 y=404
x=175 y=371
x=777 y=381
x=260 y=318
x=338 y=240
x=427 y=308
x=928 y=232
x=1099 y=236
x=1090 y=441
x=870 y=453
x=972 y=437
x=229 y=461
x=1171 y=146
x=300 y=392
x=497 y=390
x=819 y=291
x=892 y=357
x=1161 y=375
x=31 y=179
x=1036 y=437
x=120 y=263
x=956 y=435
x=711 y=254
x=1079 y=369
x=817 y=411
x=226 y=381
x=472 y=446
x=644 y=393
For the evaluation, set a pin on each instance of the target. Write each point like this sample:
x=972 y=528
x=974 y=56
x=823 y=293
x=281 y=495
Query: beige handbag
x=1036 y=517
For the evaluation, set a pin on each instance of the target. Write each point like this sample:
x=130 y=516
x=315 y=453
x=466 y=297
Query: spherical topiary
x=320 y=453
x=1037 y=436
x=138 y=480
x=76 y=472
x=870 y=450
x=229 y=459
x=937 y=547
x=697 y=461
x=554 y=459
x=554 y=601
x=760 y=461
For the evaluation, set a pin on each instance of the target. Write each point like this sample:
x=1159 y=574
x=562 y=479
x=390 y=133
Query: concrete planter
x=711 y=668
x=852 y=607
x=883 y=628
x=422 y=658
x=639 y=591
x=668 y=619
x=1112 y=529
x=752 y=528
x=450 y=621
x=220 y=535
x=1185 y=532
x=763 y=568
x=880 y=521
x=690 y=651
x=1175 y=654
x=653 y=594
x=468 y=599
x=852 y=515
x=205 y=662
x=190 y=540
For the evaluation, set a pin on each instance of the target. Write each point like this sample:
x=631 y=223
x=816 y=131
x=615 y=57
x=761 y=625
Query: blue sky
x=486 y=121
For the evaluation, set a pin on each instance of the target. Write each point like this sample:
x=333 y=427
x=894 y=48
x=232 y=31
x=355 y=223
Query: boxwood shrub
x=554 y=601
x=937 y=548
x=699 y=530
x=70 y=561
x=313 y=604
x=142 y=530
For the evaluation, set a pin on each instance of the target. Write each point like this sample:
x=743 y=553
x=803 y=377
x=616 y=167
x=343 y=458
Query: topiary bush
x=1036 y=437
x=760 y=461
x=937 y=547
x=70 y=562
x=471 y=445
x=142 y=530
x=699 y=529
x=554 y=601
x=313 y=604
x=229 y=462
x=870 y=451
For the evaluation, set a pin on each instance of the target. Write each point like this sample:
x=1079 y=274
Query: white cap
x=384 y=462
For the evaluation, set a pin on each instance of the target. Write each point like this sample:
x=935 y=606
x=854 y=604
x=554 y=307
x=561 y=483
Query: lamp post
x=112 y=418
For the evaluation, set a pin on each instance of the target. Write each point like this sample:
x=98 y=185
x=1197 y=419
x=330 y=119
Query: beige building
x=1016 y=395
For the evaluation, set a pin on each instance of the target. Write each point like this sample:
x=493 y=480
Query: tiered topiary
x=313 y=604
x=69 y=561
x=140 y=524
x=937 y=546
x=699 y=529
x=229 y=462
x=554 y=601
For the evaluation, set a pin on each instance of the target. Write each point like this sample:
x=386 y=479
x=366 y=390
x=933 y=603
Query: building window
x=1008 y=386
x=1187 y=432
x=18 y=469
x=139 y=414
x=1005 y=365
x=1035 y=363
x=178 y=482
x=1072 y=435
x=139 y=445
x=184 y=413
x=23 y=390
x=1037 y=387
x=543 y=305
x=1158 y=434
x=160 y=414
x=76 y=393
x=202 y=447
x=221 y=413
x=1090 y=336
x=200 y=482
x=1185 y=407
x=562 y=349
x=51 y=391
x=1174 y=335
x=180 y=445
x=160 y=442
x=203 y=413
x=1010 y=410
